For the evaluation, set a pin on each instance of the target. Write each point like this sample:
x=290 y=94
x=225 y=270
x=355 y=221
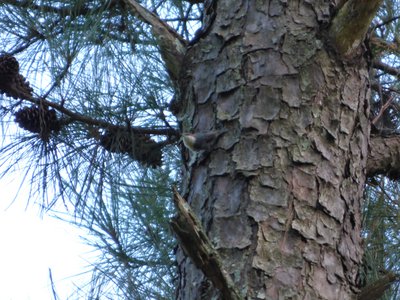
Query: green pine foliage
x=381 y=216
x=381 y=223
x=95 y=142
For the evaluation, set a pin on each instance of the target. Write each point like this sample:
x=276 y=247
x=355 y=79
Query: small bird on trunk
x=201 y=141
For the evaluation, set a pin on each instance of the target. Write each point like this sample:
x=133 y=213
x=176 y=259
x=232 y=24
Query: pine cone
x=28 y=118
x=116 y=140
x=147 y=151
x=9 y=67
x=11 y=82
x=38 y=120
x=17 y=88
x=139 y=147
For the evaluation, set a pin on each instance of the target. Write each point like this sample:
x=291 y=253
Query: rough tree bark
x=279 y=195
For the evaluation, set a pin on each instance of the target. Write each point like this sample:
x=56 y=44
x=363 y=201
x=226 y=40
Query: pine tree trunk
x=279 y=195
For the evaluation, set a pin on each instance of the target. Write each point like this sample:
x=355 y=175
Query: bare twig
x=386 y=22
x=383 y=109
x=172 y=45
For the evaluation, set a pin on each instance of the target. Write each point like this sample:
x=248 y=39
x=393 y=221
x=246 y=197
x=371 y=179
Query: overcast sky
x=30 y=246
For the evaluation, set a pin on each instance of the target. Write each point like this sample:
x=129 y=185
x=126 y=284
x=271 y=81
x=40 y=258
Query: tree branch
x=38 y=119
x=72 y=10
x=375 y=290
x=349 y=26
x=14 y=85
x=379 y=46
x=385 y=22
x=384 y=157
x=198 y=247
x=77 y=117
x=172 y=45
x=386 y=68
